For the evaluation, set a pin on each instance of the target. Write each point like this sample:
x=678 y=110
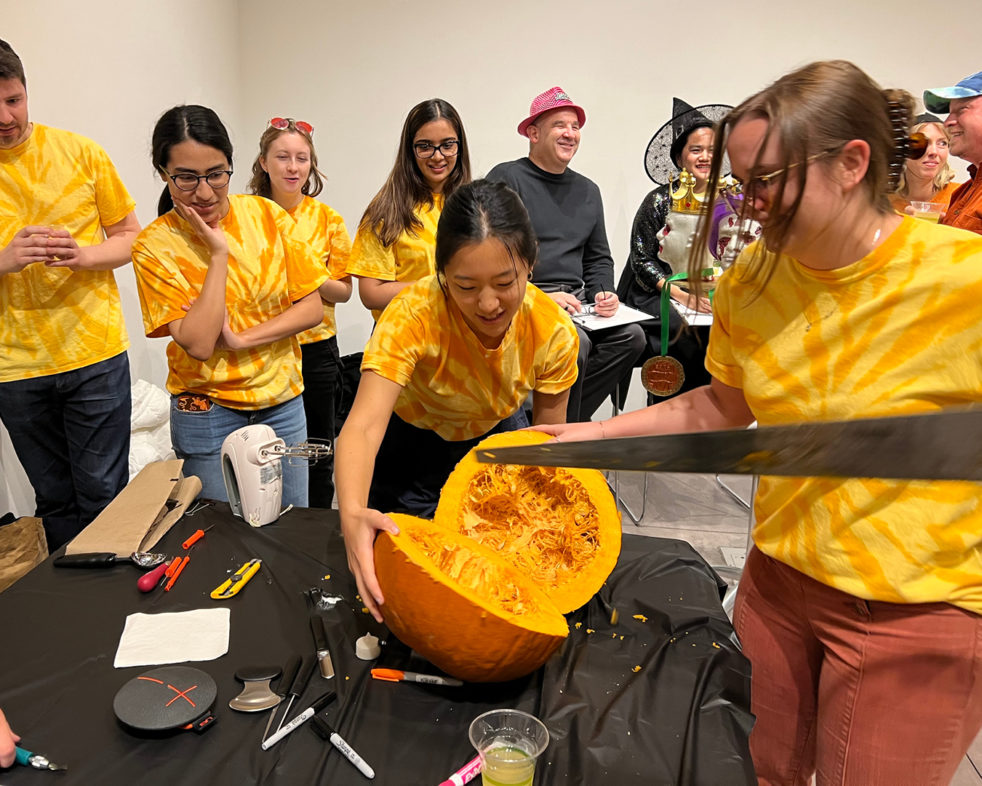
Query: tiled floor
x=696 y=508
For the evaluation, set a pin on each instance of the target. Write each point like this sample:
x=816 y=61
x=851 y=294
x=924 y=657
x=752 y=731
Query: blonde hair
x=259 y=182
x=945 y=175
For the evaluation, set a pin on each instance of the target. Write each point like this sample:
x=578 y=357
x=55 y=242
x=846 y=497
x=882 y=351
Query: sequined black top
x=644 y=262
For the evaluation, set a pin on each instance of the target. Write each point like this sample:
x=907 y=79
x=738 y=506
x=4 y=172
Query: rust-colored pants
x=857 y=692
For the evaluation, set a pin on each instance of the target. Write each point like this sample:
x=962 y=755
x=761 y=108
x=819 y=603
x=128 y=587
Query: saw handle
x=97 y=560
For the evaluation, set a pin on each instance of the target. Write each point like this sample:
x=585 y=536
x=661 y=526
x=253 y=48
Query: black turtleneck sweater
x=568 y=217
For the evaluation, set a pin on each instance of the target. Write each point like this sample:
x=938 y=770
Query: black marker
x=326 y=732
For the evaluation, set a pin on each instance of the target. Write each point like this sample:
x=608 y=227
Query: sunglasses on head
x=283 y=123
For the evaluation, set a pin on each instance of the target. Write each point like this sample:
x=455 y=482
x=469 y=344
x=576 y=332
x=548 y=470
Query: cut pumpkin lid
x=559 y=526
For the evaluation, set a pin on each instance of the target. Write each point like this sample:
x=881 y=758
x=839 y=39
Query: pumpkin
x=461 y=606
x=480 y=591
x=559 y=526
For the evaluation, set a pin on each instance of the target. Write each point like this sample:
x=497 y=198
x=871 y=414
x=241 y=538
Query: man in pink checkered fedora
x=575 y=267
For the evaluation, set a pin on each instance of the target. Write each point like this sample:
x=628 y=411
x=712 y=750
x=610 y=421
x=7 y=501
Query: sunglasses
x=283 y=123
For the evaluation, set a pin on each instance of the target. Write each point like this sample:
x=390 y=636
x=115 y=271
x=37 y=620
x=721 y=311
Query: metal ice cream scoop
x=143 y=559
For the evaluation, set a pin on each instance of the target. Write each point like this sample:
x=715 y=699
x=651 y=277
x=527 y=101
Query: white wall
x=353 y=68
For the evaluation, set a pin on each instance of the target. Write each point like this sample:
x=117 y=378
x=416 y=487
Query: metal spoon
x=143 y=559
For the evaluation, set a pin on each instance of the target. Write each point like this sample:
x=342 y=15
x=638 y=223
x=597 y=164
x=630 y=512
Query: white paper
x=157 y=639
x=691 y=317
x=625 y=315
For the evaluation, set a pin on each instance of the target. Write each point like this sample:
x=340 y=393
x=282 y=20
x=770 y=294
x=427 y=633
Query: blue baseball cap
x=938 y=99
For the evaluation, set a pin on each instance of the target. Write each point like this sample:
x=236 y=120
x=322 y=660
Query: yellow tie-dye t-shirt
x=323 y=229
x=54 y=319
x=411 y=257
x=269 y=268
x=897 y=332
x=454 y=385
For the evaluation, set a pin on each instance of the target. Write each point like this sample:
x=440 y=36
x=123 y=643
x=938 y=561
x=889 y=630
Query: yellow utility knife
x=238 y=581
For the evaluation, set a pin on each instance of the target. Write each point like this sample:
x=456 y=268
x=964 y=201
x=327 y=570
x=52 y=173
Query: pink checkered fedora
x=553 y=98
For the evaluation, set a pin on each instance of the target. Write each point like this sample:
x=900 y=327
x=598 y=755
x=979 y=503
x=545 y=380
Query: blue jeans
x=197 y=438
x=71 y=432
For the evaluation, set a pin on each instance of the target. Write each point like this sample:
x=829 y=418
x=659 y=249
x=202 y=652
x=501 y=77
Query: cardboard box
x=142 y=513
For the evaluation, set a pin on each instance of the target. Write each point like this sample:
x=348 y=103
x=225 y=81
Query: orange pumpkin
x=461 y=606
x=559 y=526
x=480 y=591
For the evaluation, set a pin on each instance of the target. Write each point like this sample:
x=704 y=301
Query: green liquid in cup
x=507 y=766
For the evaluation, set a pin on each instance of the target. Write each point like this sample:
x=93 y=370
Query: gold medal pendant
x=662 y=375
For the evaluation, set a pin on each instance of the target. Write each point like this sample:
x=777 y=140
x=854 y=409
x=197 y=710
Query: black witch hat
x=666 y=145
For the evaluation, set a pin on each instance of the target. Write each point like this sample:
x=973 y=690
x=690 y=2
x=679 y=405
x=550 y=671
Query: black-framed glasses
x=426 y=150
x=185 y=181
x=761 y=183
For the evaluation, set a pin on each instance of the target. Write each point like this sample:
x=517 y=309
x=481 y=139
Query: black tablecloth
x=682 y=718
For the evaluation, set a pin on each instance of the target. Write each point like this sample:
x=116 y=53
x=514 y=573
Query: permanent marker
x=465 y=774
x=320 y=703
x=396 y=675
x=326 y=732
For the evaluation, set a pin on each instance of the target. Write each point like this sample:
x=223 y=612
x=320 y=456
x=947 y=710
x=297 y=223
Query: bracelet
x=603 y=433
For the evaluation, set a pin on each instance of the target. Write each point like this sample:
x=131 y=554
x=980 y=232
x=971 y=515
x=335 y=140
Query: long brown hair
x=814 y=110
x=392 y=210
x=259 y=182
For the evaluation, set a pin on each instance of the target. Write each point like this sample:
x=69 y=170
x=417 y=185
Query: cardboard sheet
x=142 y=513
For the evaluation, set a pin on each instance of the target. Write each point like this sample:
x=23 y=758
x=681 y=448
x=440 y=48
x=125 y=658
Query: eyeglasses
x=185 y=181
x=426 y=150
x=761 y=183
x=283 y=123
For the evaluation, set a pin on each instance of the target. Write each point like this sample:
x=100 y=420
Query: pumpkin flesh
x=462 y=607
x=559 y=526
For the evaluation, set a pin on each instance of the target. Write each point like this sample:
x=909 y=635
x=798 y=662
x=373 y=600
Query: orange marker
x=177 y=573
x=396 y=675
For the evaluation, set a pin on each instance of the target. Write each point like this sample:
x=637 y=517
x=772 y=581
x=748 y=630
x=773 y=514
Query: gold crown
x=684 y=200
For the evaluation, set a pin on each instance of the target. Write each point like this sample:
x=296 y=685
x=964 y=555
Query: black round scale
x=172 y=697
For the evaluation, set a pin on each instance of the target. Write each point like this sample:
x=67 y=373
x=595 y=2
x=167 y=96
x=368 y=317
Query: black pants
x=321 y=364
x=413 y=464
x=606 y=356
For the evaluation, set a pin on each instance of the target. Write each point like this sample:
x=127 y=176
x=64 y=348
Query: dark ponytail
x=179 y=124
x=480 y=210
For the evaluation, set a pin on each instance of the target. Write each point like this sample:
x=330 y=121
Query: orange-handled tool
x=177 y=573
x=198 y=535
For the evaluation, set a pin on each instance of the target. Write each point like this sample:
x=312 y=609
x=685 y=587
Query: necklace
x=824 y=308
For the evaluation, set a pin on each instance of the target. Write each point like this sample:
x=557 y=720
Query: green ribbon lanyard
x=666 y=297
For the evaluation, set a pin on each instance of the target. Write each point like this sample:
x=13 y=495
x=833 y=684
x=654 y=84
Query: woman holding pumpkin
x=860 y=606
x=452 y=360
